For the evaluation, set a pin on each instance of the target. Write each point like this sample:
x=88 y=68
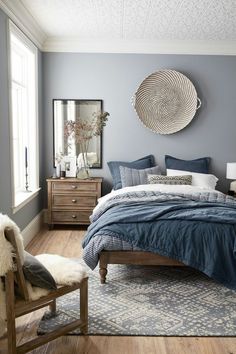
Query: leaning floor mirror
x=73 y=110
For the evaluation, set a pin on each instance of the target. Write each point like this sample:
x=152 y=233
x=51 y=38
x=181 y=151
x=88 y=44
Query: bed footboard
x=132 y=257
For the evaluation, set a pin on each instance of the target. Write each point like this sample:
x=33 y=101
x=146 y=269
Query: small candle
x=26 y=158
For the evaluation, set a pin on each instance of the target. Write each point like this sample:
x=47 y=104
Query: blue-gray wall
x=115 y=77
x=27 y=213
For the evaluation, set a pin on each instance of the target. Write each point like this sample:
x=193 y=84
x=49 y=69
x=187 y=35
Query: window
x=24 y=117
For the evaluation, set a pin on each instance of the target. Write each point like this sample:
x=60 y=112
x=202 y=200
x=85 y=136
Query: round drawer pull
x=73 y=187
x=73 y=200
x=73 y=216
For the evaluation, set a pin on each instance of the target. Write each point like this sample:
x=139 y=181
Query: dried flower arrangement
x=82 y=131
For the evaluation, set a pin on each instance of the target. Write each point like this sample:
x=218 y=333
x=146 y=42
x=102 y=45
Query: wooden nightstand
x=71 y=201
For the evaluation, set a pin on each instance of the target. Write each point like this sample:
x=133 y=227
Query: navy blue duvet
x=198 y=230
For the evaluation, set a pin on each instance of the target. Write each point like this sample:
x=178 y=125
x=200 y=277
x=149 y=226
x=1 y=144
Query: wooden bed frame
x=132 y=257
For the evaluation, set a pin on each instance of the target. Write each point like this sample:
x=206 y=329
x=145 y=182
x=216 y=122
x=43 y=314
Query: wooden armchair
x=18 y=306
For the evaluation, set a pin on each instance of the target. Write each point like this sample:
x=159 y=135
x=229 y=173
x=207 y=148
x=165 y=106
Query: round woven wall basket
x=166 y=101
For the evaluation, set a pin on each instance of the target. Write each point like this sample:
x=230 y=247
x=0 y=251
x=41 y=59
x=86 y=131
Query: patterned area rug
x=151 y=301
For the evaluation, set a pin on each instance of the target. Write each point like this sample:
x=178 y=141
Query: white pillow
x=202 y=180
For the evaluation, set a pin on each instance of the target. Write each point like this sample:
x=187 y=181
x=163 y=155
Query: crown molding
x=24 y=20
x=201 y=47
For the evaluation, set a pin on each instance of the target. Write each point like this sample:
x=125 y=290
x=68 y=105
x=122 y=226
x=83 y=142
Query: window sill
x=24 y=198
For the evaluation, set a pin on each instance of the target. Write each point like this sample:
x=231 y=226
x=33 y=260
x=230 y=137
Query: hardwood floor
x=67 y=243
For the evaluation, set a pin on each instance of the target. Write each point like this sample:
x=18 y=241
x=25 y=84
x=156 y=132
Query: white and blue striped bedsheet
x=100 y=243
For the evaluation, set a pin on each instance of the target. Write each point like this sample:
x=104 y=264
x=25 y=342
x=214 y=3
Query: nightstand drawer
x=74 y=187
x=74 y=201
x=71 y=216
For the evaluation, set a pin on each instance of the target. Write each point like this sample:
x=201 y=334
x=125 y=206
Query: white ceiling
x=136 y=19
x=126 y=25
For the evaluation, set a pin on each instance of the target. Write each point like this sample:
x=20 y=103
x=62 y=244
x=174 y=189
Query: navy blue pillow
x=114 y=166
x=198 y=165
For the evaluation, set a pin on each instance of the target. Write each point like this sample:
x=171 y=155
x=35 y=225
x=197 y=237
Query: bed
x=158 y=224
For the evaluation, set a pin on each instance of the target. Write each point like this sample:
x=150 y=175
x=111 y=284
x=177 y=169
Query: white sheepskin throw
x=65 y=271
x=6 y=261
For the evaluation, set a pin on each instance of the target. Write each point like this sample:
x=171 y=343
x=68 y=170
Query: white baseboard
x=33 y=228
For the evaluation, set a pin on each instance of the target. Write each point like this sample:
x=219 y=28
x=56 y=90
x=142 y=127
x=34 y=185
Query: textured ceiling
x=136 y=19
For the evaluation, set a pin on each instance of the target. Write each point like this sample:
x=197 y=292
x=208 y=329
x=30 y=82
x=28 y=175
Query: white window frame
x=21 y=198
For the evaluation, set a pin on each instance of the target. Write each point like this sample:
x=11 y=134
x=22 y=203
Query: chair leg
x=53 y=307
x=10 y=304
x=84 y=305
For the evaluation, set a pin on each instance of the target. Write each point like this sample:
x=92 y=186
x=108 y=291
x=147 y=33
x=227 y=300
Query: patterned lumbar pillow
x=156 y=179
x=133 y=177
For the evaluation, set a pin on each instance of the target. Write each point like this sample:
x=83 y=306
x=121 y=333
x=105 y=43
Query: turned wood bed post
x=103 y=268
